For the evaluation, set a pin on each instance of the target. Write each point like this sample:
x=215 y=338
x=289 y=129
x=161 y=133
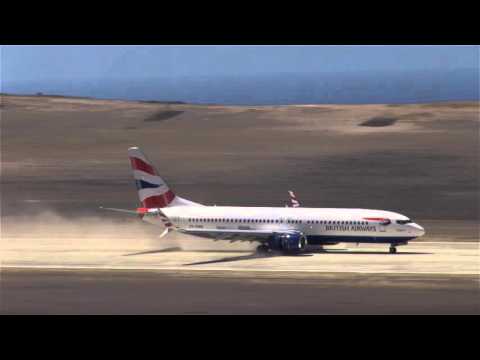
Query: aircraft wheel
x=393 y=250
x=262 y=249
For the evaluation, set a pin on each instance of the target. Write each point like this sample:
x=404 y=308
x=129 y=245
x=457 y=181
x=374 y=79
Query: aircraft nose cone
x=419 y=231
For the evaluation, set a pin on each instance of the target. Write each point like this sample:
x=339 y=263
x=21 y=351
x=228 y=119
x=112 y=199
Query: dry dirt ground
x=69 y=156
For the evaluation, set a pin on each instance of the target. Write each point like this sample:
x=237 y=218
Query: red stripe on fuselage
x=139 y=164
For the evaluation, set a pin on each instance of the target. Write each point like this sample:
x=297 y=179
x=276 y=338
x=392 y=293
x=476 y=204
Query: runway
x=441 y=258
x=50 y=291
x=66 y=275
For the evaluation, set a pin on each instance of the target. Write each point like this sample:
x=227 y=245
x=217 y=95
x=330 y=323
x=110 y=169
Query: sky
x=35 y=63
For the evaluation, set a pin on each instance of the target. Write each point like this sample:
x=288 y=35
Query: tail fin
x=293 y=199
x=153 y=192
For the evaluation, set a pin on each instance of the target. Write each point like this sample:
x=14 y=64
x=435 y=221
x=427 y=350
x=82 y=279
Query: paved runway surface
x=159 y=292
x=99 y=278
x=416 y=258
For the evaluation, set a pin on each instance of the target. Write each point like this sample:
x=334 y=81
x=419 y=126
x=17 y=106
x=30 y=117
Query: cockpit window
x=403 y=222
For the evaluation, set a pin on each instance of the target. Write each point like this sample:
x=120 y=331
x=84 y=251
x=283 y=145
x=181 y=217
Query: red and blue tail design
x=152 y=190
x=293 y=199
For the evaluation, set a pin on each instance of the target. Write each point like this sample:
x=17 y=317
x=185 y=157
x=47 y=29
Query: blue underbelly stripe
x=360 y=239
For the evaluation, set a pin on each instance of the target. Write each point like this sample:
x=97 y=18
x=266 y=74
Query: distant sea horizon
x=276 y=89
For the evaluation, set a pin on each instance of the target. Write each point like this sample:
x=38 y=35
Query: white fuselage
x=320 y=225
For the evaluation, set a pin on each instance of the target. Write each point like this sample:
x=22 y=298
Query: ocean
x=276 y=89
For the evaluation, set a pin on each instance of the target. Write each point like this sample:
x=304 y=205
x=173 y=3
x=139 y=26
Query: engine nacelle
x=289 y=242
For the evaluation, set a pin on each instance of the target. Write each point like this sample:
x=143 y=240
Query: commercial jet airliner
x=289 y=229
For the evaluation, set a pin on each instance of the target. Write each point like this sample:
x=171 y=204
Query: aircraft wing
x=230 y=234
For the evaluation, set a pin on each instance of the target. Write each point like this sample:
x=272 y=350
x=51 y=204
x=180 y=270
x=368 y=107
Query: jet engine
x=289 y=242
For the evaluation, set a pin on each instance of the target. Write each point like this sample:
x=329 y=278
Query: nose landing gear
x=393 y=249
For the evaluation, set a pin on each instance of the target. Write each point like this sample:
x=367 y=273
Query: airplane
x=289 y=230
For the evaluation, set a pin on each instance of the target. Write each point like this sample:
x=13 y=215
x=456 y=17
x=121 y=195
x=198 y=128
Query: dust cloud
x=49 y=232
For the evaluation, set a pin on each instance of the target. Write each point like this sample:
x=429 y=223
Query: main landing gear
x=262 y=249
x=393 y=249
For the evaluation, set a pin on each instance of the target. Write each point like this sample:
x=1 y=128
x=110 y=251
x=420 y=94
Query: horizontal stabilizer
x=119 y=210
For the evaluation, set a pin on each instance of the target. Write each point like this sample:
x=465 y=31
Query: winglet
x=293 y=199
